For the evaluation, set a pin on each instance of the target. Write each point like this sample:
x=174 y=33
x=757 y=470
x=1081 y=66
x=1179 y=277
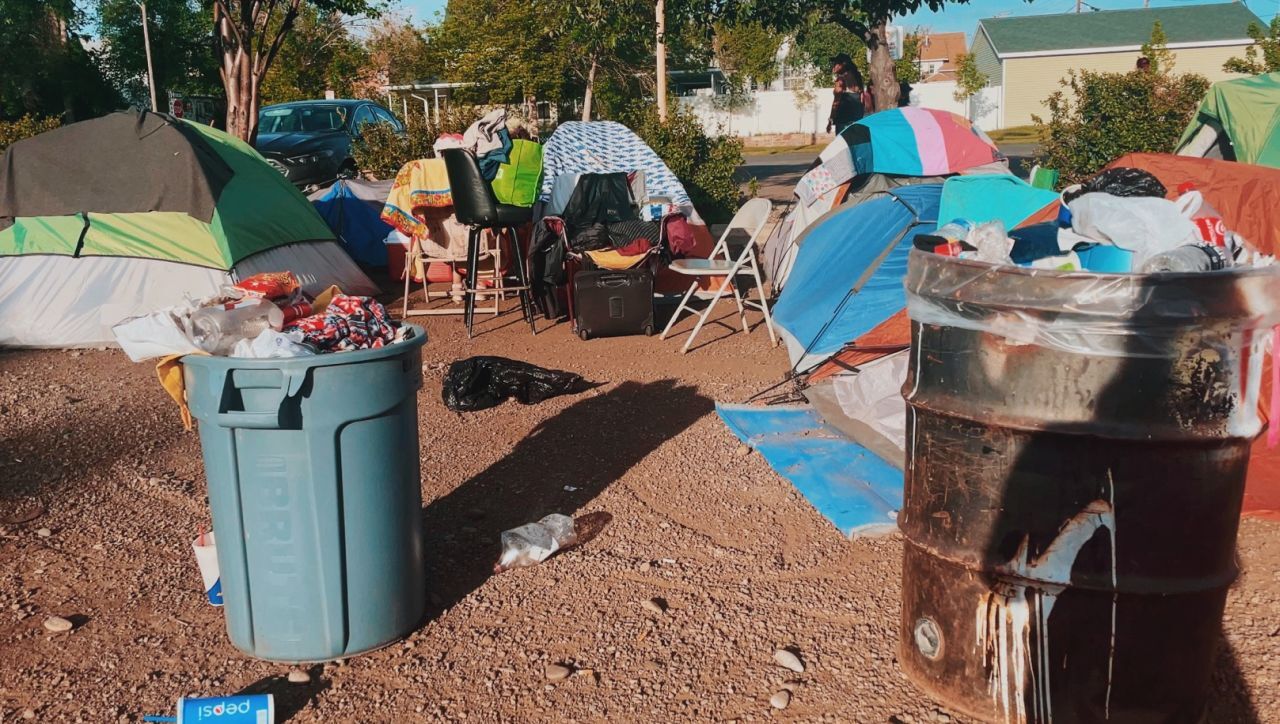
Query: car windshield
x=307 y=119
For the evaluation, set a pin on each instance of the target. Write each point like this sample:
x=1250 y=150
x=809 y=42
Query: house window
x=796 y=78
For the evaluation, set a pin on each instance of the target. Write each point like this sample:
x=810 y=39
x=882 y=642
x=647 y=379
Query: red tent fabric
x=1246 y=195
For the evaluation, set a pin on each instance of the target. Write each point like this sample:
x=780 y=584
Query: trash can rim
x=1016 y=270
x=328 y=359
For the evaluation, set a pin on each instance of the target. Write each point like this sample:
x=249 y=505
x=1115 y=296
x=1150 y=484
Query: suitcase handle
x=614 y=281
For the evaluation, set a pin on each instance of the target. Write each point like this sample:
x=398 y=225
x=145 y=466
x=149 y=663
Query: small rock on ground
x=788 y=660
x=58 y=624
x=780 y=700
x=298 y=676
x=655 y=605
x=558 y=672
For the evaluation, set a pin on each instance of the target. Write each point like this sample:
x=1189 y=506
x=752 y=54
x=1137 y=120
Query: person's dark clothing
x=846 y=109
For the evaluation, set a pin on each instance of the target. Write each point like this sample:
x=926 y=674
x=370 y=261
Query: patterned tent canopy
x=579 y=147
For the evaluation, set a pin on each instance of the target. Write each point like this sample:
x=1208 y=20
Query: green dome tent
x=125 y=214
x=1239 y=120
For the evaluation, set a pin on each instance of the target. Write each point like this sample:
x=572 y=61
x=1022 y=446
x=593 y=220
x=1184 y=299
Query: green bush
x=1098 y=117
x=381 y=152
x=25 y=127
x=705 y=165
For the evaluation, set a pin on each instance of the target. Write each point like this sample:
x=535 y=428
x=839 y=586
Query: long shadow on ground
x=587 y=447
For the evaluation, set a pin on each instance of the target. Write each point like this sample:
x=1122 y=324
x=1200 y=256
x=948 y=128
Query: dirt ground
x=92 y=451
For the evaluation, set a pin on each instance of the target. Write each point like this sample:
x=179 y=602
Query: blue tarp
x=862 y=247
x=984 y=198
x=355 y=217
x=847 y=483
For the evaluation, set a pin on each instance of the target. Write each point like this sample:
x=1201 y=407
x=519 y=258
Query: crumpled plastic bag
x=1121 y=181
x=1145 y=226
x=478 y=383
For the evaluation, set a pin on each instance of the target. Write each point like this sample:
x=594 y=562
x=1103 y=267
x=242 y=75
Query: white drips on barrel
x=1005 y=623
x=1115 y=595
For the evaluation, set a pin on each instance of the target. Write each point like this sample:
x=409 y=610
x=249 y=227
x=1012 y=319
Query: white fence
x=765 y=113
x=781 y=112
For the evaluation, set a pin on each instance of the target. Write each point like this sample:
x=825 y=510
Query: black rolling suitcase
x=613 y=303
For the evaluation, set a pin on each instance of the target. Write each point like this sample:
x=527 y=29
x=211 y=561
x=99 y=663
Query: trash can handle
x=290 y=382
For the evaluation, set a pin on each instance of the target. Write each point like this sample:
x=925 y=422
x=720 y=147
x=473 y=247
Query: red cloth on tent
x=891 y=335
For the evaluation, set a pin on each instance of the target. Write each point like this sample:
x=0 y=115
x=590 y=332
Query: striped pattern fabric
x=579 y=147
x=904 y=142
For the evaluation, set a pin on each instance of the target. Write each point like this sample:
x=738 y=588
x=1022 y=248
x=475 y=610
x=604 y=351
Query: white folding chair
x=751 y=218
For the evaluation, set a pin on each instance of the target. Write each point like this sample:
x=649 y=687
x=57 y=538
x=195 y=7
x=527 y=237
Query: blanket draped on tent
x=903 y=141
x=579 y=147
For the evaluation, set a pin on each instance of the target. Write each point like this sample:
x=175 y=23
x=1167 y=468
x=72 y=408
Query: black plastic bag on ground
x=1119 y=181
x=478 y=383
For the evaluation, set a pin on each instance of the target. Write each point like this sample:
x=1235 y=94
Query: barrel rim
x=330 y=359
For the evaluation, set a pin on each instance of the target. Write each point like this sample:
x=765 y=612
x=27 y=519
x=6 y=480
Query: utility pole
x=146 y=42
x=1078 y=3
x=662 y=60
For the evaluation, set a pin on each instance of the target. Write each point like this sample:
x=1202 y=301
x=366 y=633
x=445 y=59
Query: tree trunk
x=884 y=75
x=238 y=82
x=661 y=52
x=591 y=86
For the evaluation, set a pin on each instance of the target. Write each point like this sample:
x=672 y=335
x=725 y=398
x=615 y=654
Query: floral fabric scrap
x=348 y=323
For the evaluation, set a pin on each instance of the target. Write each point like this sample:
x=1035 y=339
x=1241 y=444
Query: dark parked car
x=310 y=141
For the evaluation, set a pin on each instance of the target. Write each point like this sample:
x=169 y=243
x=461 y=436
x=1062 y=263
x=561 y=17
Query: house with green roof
x=1025 y=57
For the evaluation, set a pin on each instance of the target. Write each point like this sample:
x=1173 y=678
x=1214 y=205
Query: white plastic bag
x=158 y=334
x=270 y=344
x=1142 y=224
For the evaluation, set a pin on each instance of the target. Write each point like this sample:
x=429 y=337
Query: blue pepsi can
x=246 y=709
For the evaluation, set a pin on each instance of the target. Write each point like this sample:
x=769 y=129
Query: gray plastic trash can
x=312 y=464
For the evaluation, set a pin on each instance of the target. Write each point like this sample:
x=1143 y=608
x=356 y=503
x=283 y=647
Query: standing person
x=844 y=71
x=846 y=108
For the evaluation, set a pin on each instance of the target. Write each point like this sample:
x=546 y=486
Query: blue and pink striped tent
x=900 y=142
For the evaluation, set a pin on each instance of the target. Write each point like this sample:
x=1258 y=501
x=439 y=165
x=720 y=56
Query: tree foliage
x=1098 y=117
x=47 y=69
x=747 y=52
x=705 y=165
x=25 y=127
x=969 y=80
x=320 y=54
x=865 y=19
x=381 y=151
x=816 y=43
x=180 y=32
x=1261 y=57
x=1157 y=50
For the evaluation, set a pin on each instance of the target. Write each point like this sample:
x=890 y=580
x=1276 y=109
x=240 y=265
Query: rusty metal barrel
x=1076 y=455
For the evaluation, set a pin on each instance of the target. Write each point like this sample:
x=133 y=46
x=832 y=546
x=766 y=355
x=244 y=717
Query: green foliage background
x=1098 y=117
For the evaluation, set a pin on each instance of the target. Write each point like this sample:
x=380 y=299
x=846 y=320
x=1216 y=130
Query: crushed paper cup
x=207 y=558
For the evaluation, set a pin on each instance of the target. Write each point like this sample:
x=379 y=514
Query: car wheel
x=347 y=169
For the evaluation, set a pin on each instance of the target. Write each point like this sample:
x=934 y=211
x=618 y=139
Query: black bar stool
x=475 y=205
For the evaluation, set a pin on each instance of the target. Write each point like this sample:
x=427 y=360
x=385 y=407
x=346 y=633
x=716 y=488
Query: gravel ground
x=92 y=453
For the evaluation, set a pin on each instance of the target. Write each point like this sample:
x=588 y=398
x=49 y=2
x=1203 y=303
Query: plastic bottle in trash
x=534 y=543
x=1188 y=258
x=217 y=328
x=954 y=230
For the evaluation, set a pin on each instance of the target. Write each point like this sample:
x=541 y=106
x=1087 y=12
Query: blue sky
x=961 y=17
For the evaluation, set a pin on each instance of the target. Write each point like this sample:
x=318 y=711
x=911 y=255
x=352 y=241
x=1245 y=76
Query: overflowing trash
x=533 y=543
x=478 y=383
x=265 y=316
x=1118 y=221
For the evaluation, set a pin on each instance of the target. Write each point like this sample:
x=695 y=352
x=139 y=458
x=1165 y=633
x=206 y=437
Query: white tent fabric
x=62 y=301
